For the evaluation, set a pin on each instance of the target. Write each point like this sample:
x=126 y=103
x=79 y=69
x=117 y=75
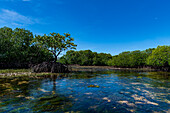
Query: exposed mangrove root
x=54 y=67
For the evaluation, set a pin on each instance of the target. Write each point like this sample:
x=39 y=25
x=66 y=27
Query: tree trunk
x=53 y=65
x=55 y=59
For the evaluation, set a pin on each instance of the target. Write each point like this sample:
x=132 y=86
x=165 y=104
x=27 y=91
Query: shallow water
x=113 y=91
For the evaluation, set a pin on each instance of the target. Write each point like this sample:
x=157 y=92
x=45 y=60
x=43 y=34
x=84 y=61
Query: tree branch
x=52 y=52
x=59 y=52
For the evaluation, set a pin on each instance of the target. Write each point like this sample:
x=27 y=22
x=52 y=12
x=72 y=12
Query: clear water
x=123 y=92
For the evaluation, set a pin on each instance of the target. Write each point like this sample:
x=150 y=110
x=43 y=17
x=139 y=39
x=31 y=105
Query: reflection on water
x=123 y=92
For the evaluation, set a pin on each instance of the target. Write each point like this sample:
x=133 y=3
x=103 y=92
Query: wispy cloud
x=14 y=0
x=13 y=18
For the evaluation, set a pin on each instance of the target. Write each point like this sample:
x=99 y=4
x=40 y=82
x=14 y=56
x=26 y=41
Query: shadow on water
x=117 y=91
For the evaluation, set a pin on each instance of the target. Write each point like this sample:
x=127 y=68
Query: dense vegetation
x=16 y=50
x=86 y=57
x=159 y=57
x=55 y=43
x=19 y=48
x=131 y=59
x=153 y=57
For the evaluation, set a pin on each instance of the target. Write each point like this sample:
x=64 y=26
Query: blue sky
x=109 y=26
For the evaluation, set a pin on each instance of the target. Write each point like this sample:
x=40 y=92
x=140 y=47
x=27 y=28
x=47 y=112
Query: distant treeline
x=153 y=57
x=16 y=50
x=86 y=58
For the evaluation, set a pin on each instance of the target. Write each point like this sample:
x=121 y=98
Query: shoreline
x=109 y=68
x=9 y=73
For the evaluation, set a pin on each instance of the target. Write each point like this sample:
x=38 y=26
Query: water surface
x=112 y=91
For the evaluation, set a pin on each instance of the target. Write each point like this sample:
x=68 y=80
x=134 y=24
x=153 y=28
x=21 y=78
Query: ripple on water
x=115 y=92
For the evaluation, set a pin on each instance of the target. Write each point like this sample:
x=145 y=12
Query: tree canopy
x=16 y=50
x=159 y=57
x=55 y=43
x=85 y=57
x=20 y=47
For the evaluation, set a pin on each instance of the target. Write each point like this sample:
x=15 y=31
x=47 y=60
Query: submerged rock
x=94 y=86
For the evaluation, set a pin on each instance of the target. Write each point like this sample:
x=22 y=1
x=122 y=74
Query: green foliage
x=137 y=58
x=16 y=48
x=19 y=46
x=152 y=57
x=5 y=44
x=14 y=44
x=55 y=43
x=86 y=57
x=130 y=59
x=159 y=57
x=101 y=58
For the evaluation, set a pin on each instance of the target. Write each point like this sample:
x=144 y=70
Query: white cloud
x=13 y=18
x=14 y=0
